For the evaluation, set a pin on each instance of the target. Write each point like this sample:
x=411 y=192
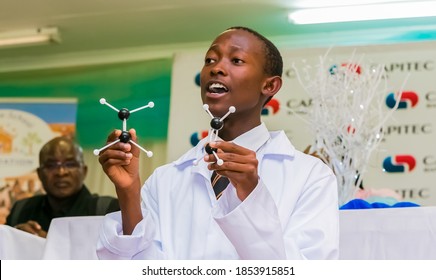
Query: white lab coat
x=291 y=214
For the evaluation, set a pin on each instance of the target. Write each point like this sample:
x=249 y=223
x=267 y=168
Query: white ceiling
x=127 y=29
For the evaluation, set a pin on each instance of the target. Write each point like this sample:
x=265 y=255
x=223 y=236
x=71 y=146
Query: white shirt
x=291 y=214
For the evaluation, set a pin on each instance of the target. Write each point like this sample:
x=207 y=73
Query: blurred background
x=67 y=55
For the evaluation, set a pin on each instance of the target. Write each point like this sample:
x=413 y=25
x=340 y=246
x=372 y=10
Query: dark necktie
x=219 y=184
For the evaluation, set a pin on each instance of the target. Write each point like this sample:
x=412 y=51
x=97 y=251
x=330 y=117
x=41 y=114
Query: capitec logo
x=350 y=66
x=271 y=108
x=408 y=99
x=197 y=136
x=197 y=79
x=399 y=164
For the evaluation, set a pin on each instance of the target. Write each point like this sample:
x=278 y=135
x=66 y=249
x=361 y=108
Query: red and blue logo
x=350 y=66
x=399 y=164
x=271 y=108
x=197 y=79
x=408 y=99
x=197 y=136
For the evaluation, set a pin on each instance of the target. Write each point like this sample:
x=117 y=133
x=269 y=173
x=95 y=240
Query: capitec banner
x=405 y=160
x=26 y=124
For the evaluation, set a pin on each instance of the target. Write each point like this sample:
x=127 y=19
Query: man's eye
x=66 y=164
x=71 y=164
x=238 y=61
x=209 y=60
x=51 y=165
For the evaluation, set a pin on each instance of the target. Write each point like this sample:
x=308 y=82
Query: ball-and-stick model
x=216 y=124
x=125 y=136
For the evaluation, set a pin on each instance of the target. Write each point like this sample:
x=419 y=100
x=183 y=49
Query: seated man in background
x=62 y=172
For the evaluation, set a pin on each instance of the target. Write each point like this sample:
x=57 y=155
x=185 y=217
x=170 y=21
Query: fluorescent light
x=29 y=37
x=364 y=12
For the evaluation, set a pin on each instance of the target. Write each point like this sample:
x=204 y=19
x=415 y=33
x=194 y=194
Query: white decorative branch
x=347 y=115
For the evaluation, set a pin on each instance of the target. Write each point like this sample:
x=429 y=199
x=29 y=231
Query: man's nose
x=61 y=169
x=218 y=69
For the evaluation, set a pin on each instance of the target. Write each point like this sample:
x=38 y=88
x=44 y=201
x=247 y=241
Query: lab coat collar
x=280 y=145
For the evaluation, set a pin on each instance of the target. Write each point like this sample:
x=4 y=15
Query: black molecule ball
x=216 y=123
x=123 y=114
x=209 y=149
x=124 y=137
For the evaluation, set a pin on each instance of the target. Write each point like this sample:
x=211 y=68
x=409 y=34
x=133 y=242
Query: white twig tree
x=347 y=116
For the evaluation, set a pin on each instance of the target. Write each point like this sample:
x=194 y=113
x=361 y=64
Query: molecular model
x=216 y=124
x=125 y=136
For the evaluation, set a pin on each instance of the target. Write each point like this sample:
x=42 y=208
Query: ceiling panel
x=93 y=27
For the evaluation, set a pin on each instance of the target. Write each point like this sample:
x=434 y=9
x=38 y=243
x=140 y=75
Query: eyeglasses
x=54 y=165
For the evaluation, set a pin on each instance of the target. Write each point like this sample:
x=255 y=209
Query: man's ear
x=39 y=172
x=85 y=170
x=272 y=85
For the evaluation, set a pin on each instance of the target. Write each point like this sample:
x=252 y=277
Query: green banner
x=123 y=85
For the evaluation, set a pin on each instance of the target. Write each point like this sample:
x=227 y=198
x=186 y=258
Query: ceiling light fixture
x=364 y=12
x=29 y=37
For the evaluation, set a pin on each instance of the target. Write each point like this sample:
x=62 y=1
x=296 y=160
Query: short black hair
x=273 y=58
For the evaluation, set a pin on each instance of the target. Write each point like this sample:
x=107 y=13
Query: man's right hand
x=33 y=228
x=120 y=161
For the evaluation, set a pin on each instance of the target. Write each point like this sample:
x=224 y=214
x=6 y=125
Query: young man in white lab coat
x=280 y=203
